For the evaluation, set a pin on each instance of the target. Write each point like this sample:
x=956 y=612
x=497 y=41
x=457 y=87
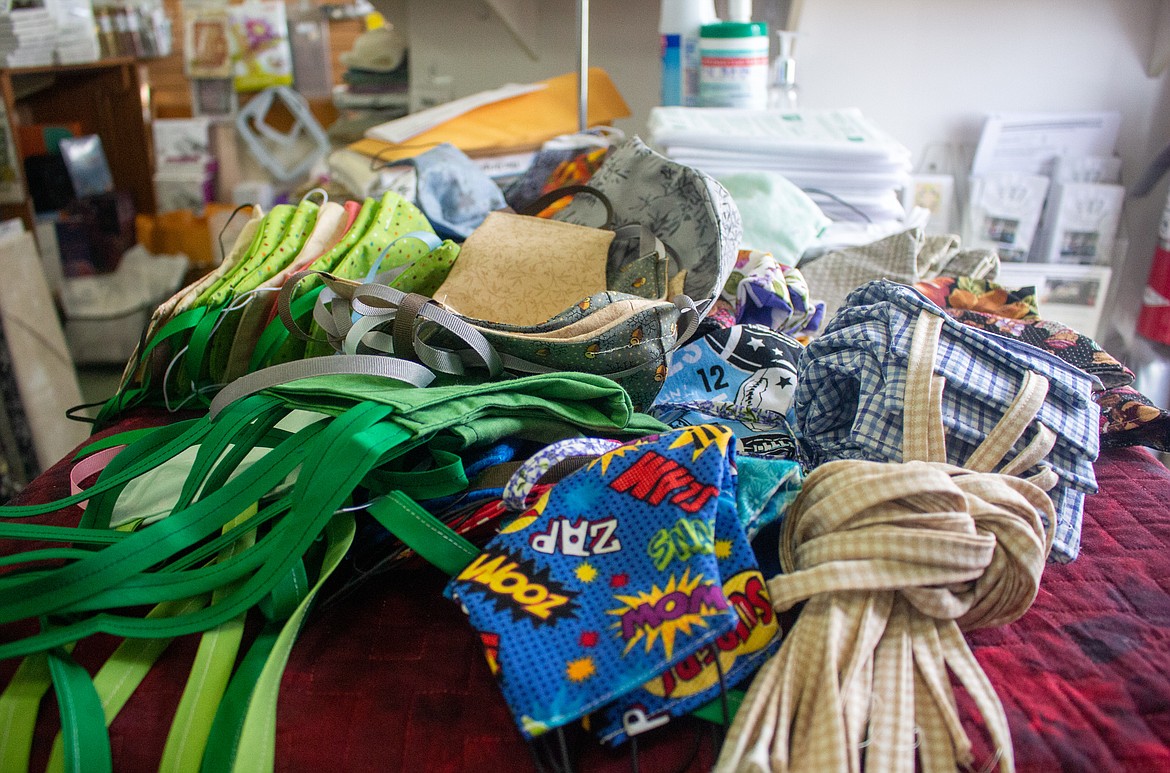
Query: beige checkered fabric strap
x=893 y=562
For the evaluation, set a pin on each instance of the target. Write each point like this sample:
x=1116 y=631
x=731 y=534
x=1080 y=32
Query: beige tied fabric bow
x=894 y=561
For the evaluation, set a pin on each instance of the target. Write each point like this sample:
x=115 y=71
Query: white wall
x=464 y=39
x=927 y=72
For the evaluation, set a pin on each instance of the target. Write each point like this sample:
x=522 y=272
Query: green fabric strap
x=423 y=533
x=361 y=440
x=223 y=449
x=69 y=584
x=224 y=737
x=120 y=676
x=713 y=711
x=82 y=718
x=19 y=705
x=257 y=740
x=109 y=480
x=282 y=600
x=247 y=713
x=210 y=673
x=101 y=507
x=141 y=456
x=446 y=477
x=32 y=531
x=195 y=364
x=112 y=441
x=126 y=398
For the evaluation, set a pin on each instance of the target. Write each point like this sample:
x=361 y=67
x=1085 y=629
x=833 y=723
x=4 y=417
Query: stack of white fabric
x=851 y=168
x=27 y=37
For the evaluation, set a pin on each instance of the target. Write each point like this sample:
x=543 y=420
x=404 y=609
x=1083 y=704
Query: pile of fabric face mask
x=628 y=589
x=660 y=275
x=224 y=325
x=250 y=509
x=362 y=402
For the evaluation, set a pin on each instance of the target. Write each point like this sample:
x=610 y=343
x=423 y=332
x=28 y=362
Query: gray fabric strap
x=404 y=319
x=375 y=299
x=693 y=315
x=284 y=304
x=407 y=372
x=649 y=246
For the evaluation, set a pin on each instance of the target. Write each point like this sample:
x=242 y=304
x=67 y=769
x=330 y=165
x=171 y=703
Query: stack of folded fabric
x=377 y=75
x=852 y=381
x=77 y=31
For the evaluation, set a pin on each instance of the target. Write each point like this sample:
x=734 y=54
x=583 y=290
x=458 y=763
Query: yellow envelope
x=513 y=125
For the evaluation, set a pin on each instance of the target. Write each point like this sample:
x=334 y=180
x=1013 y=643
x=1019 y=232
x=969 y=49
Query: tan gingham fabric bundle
x=894 y=561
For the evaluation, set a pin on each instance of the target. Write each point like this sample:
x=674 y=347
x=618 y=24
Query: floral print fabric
x=1128 y=417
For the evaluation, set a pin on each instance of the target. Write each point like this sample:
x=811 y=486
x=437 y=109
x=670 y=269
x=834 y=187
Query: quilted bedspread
x=392 y=677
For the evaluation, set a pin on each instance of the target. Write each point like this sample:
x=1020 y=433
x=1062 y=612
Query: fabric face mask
x=727 y=661
x=744 y=377
x=611 y=579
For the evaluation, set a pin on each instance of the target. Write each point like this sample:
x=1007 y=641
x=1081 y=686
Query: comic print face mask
x=621 y=572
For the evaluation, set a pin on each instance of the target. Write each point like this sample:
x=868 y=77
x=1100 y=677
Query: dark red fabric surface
x=1084 y=676
x=392 y=678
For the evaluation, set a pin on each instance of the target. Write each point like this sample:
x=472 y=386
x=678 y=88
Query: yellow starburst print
x=682 y=605
x=702 y=437
x=519 y=523
x=581 y=669
x=586 y=572
x=609 y=456
x=533 y=727
x=722 y=549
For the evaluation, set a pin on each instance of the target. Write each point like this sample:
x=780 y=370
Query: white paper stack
x=27 y=37
x=77 y=39
x=847 y=165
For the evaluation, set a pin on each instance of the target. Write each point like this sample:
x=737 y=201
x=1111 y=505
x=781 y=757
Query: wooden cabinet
x=106 y=99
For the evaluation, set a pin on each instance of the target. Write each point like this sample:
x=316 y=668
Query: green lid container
x=734 y=29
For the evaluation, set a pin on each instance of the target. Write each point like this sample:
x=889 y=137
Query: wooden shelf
x=105 y=98
x=101 y=64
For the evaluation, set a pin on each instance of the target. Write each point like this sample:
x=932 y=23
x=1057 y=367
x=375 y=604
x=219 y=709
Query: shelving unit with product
x=105 y=98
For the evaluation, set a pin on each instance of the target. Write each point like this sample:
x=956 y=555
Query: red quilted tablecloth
x=392 y=678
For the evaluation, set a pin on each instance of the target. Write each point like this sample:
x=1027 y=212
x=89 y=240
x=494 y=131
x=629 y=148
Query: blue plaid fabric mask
x=849 y=395
x=623 y=571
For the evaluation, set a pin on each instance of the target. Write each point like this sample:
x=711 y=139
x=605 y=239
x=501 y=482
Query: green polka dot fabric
x=271 y=233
